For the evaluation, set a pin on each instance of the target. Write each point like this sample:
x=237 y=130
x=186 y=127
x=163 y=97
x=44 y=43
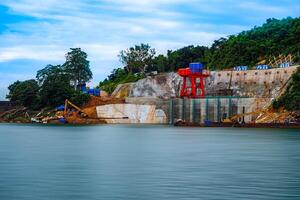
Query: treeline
x=274 y=37
x=54 y=83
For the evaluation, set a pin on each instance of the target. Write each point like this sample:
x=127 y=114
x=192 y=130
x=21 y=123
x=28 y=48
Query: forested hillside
x=290 y=100
x=274 y=37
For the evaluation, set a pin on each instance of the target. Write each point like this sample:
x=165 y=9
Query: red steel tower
x=195 y=74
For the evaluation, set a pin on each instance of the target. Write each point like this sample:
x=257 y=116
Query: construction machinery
x=69 y=103
x=195 y=74
x=265 y=115
x=238 y=116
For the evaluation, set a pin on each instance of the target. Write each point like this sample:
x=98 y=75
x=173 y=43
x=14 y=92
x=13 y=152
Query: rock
x=130 y=113
x=122 y=90
x=161 y=86
x=250 y=83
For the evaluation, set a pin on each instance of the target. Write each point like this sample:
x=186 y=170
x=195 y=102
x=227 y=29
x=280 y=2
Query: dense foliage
x=290 y=100
x=246 y=48
x=24 y=93
x=77 y=66
x=138 y=58
x=119 y=76
x=54 y=84
x=274 y=37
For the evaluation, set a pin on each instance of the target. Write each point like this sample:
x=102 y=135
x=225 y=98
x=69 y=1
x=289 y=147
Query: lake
x=148 y=162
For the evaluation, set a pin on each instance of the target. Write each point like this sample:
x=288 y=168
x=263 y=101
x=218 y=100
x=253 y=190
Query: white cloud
x=7 y=78
x=43 y=53
x=104 y=27
x=82 y=24
x=101 y=52
x=260 y=7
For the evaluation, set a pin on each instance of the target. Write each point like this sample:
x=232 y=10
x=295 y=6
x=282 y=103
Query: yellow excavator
x=69 y=103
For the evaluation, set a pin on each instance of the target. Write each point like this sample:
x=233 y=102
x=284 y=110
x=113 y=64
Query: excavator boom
x=67 y=103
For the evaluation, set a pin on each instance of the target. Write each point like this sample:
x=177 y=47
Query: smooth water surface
x=148 y=162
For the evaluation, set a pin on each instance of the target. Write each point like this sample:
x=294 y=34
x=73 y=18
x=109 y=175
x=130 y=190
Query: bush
x=79 y=98
x=117 y=77
x=24 y=93
x=290 y=100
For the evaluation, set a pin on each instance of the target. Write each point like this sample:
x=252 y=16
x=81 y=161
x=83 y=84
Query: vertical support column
x=192 y=110
x=183 y=89
x=229 y=108
x=206 y=109
x=200 y=110
x=243 y=118
x=202 y=87
x=171 y=112
x=183 y=110
x=218 y=109
x=192 y=80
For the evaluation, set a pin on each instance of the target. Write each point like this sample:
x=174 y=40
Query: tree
x=182 y=57
x=291 y=98
x=24 y=93
x=51 y=71
x=78 y=67
x=54 y=85
x=118 y=76
x=160 y=63
x=138 y=58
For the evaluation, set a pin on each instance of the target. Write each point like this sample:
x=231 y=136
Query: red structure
x=196 y=86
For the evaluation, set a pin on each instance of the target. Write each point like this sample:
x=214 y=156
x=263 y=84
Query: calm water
x=148 y=162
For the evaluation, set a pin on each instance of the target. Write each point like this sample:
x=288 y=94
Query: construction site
x=193 y=96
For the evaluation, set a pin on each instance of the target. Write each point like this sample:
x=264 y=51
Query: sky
x=35 y=33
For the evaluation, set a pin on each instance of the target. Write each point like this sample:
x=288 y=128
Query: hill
x=273 y=38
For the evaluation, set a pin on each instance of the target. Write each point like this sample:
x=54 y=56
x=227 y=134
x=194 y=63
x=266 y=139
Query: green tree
x=161 y=64
x=248 y=47
x=24 y=93
x=290 y=100
x=54 y=85
x=138 y=58
x=77 y=66
x=118 y=76
x=51 y=71
x=182 y=57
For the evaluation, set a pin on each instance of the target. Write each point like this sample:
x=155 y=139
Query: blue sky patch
x=36 y=33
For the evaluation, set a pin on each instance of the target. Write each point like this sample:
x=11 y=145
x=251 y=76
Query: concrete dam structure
x=227 y=93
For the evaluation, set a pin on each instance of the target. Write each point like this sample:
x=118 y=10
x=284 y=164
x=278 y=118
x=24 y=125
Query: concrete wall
x=250 y=83
x=162 y=104
x=131 y=113
x=214 y=109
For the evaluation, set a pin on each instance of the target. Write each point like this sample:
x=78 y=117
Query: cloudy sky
x=34 y=33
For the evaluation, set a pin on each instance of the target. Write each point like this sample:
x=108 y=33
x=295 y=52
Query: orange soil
x=90 y=109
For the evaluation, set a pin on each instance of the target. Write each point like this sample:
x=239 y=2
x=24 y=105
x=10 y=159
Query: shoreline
x=237 y=125
x=180 y=124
